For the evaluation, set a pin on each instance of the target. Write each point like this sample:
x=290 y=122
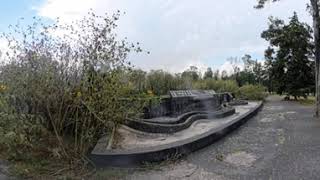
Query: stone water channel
x=179 y=125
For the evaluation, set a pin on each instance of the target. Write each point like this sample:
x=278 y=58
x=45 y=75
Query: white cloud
x=3 y=47
x=67 y=10
x=228 y=66
x=180 y=33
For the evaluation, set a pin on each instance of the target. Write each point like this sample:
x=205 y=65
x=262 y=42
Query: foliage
x=19 y=133
x=137 y=78
x=314 y=10
x=160 y=82
x=217 y=85
x=307 y=101
x=192 y=73
x=288 y=57
x=208 y=74
x=252 y=72
x=261 y=3
x=252 y=92
x=216 y=74
x=66 y=89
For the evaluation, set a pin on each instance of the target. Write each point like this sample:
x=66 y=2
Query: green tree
x=267 y=71
x=291 y=68
x=216 y=74
x=314 y=9
x=258 y=72
x=224 y=75
x=208 y=73
x=251 y=73
x=235 y=69
x=192 y=73
x=138 y=79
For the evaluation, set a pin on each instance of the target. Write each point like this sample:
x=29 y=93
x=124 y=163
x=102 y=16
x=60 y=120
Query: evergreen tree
x=314 y=9
x=290 y=67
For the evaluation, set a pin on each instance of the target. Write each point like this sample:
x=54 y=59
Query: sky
x=178 y=33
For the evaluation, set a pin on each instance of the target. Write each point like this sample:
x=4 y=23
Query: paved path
x=281 y=142
x=3 y=170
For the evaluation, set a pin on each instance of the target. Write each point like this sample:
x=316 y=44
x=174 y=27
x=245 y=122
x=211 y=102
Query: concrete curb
x=128 y=158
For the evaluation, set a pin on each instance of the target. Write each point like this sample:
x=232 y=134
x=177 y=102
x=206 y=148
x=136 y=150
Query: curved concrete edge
x=151 y=127
x=129 y=158
x=180 y=119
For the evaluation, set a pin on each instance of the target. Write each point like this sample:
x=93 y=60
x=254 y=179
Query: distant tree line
x=160 y=82
x=288 y=67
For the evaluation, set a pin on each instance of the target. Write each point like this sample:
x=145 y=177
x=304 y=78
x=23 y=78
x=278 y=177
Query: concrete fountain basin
x=137 y=147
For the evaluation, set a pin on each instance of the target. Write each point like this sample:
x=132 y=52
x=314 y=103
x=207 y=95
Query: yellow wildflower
x=3 y=87
x=150 y=92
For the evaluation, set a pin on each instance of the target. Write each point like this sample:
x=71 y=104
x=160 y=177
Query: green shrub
x=252 y=92
x=217 y=85
x=71 y=86
x=160 y=82
x=19 y=133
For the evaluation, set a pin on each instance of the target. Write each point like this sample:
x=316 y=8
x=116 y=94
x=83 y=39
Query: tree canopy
x=208 y=73
x=288 y=58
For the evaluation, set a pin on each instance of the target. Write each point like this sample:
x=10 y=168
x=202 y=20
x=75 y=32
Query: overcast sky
x=178 y=33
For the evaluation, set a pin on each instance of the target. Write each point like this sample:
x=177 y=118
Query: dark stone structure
x=179 y=110
x=183 y=101
x=175 y=113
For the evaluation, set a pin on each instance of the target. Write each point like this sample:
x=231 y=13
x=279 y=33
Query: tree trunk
x=315 y=18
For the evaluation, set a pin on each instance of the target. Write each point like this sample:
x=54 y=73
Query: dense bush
x=160 y=82
x=70 y=86
x=21 y=134
x=252 y=92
